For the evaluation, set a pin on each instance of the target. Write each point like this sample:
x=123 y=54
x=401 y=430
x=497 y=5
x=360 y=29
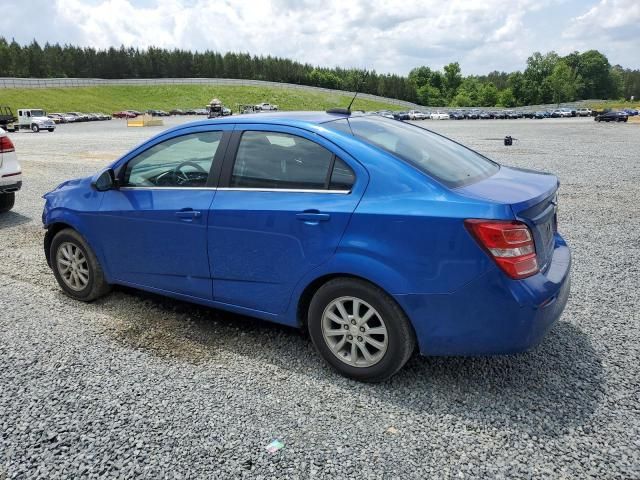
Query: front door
x=280 y=211
x=154 y=231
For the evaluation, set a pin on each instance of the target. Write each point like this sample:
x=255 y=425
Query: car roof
x=300 y=119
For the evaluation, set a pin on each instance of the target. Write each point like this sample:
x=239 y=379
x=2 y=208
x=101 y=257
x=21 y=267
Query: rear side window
x=342 y=177
x=445 y=160
x=273 y=160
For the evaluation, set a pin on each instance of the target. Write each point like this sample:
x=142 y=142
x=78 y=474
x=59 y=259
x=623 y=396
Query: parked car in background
x=583 y=112
x=540 y=114
x=612 y=116
x=401 y=115
x=385 y=113
x=124 y=114
x=191 y=111
x=266 y=107
x=226 y=112
x=296 y=230
x=438 y=115
x=473 y=114
x=416 y=115
x=176 y=111
x=632 y=112
x=78 y=116
x=10 y=173
x=528 y=113
x=511 y=114
x=201 y=111
x=484 y=115
x=456 y=115
x=57 y=118
x=560 y=113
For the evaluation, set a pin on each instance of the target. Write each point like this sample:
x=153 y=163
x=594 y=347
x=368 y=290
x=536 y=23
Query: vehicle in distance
x=33 y=119
x=266 y=107
x=401 y=116
x=299 y=218
x=612 y=116
x=123 y=114
x=10 y=173
x=416 y=115
x=438 y=115
x=583 y=112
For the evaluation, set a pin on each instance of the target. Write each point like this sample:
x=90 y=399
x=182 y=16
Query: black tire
x=7 y=200
x=35 y=128
x=51 y=129
x=97 y=285
x=400 y=335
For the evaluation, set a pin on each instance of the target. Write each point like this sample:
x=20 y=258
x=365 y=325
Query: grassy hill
x=110 y=99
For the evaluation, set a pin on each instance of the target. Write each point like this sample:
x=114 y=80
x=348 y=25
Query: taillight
x=6 y=145
x=509 y=243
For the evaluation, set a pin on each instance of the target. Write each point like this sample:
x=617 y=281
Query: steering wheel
x=181 y=176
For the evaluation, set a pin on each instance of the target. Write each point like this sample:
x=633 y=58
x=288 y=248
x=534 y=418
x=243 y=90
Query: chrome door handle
x=313 y=216
x=188 y=214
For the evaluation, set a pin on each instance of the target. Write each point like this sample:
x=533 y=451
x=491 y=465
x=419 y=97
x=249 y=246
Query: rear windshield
x=437 y=156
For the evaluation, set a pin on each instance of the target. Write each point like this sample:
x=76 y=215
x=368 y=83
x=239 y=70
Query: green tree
x=420 y=76
x=452 y=79
x=431 y=96
x=595 y=70
x=506 y=98
x=563 y=83
x=488 y=95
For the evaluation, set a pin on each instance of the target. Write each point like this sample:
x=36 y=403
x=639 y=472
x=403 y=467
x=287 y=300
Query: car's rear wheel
x=7 y=200
x=76 y=267
x=360 y=330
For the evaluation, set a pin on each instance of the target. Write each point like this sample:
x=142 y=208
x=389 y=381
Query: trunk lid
x=532 y=197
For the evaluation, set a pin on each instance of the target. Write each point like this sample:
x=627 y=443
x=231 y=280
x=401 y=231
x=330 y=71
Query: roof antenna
x=352 y=100
x=346 y=111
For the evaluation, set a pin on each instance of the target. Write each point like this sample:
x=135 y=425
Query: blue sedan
x=377 y=236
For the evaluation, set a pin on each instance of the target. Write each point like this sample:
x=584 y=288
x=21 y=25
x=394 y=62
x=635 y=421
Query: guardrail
x=12 y=82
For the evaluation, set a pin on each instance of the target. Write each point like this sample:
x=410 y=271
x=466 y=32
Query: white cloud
x=385 y=35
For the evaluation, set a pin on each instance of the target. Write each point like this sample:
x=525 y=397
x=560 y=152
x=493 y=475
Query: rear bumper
x=11 y=187
x=493 y=314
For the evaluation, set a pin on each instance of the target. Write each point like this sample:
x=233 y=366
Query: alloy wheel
x=73 y=266
x=354 y=331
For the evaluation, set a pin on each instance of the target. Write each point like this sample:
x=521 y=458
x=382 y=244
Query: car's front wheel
x=35 y=128
x=360 y=330
x=76 y=267
x=7 y=200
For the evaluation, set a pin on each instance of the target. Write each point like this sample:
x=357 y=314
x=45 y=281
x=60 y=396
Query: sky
x=387 y=36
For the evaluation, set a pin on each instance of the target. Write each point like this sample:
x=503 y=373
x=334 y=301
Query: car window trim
x=231 y=156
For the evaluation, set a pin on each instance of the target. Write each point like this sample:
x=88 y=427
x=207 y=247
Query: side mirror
x=105 y=180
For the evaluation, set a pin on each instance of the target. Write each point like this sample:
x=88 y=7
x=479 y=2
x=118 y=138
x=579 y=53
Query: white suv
x=10 y=173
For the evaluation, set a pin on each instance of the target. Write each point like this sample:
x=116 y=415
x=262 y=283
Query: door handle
x=313 y=216
x=188 y=214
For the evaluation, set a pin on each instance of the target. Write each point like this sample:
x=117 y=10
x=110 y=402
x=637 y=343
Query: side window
x=279 y=160
x=178 y=162
x=342 y=177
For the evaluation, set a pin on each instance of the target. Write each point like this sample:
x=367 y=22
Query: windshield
x=445 y=160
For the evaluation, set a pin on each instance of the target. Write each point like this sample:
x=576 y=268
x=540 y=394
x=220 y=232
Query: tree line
x=547 y=78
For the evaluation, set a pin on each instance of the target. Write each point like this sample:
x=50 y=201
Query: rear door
x=285 y=198
x=154 y=227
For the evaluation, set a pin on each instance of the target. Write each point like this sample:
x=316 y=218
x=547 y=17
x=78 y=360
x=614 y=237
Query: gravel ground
x=138 y=385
